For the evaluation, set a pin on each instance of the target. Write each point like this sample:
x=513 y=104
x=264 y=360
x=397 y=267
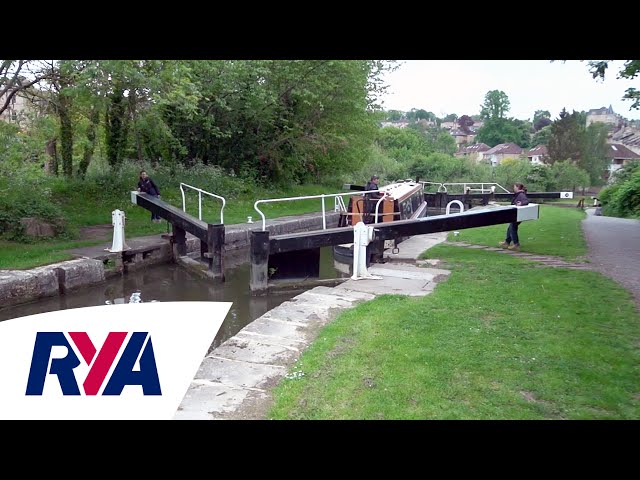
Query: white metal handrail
x=321 y=196
x=200 y=192
x=433 y=183
x=485 y=187
x=338 y=205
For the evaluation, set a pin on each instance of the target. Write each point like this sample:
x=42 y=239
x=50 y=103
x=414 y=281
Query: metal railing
x=200 y=192
x=485 y=187
x=321 y=196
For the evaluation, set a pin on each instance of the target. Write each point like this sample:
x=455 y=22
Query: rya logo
x=136 y=365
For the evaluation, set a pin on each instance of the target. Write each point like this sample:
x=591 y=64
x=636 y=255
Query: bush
x=24 y=200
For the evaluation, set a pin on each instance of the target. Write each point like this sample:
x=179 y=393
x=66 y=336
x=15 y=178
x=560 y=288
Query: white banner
x=129 y=361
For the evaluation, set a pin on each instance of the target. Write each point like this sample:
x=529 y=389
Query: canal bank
x=96 y=264
x=235 y=379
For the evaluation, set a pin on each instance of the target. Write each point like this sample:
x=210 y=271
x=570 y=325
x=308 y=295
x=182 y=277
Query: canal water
x=173 y=283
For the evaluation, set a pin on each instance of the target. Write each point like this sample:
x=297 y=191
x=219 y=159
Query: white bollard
x=362 y=236
x=117 y=219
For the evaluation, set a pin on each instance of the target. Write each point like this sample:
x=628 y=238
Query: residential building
x=628 y=136
x=473 y=152
x=462 y=138
x=16 y=110
x=538 y=155
x=398 y=124
x=504 y=150
x=620 y=156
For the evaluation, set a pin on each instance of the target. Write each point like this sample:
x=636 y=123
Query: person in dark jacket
x=519 y=199
x=147 y=185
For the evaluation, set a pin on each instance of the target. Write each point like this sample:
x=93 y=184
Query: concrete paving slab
x=208 y=400
x=297 y=343
x=276 y=329
x=303 y=312
x=388 y=285
x=236 y=373
x=413 y=247
x=355 y=295
x=251 y=350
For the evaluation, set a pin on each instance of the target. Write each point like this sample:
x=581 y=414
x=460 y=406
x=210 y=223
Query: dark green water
x=172 y=283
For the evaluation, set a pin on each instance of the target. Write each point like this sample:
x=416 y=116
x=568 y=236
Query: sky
x=459 y=86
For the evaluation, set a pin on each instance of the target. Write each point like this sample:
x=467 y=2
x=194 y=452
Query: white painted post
x=362 y=236
x=117 y=219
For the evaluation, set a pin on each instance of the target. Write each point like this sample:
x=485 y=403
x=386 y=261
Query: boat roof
x=401 y=189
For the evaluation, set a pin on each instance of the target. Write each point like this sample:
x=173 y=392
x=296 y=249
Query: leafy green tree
x=394 y=140
x=539 y=115
x=439 y=167
x=496 y=130
x=541 y=137
x=594 y=159
x=622 y=197
x=423 y=114
x=564 y=176
x=629 y=71
x=452 y=117
x=496 y=105
x=511 y=171
x=19 y=76
x=394 y=115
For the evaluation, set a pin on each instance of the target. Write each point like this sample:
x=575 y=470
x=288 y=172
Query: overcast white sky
x=459 y=86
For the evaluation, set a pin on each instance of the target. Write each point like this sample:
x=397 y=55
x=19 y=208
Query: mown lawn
x=501 y=338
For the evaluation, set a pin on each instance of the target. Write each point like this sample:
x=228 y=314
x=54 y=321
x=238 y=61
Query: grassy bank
x=501 y=338
x=86 y=207
x=557 y=232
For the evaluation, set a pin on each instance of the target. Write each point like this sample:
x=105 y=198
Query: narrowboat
x=402 y=200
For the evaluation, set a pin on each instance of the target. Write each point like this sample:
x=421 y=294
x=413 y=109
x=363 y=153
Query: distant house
x=398 y=124
x=629 y=137
x=462 y=138
x=504 y=150
x=603 y=115
x=474 y=152
x=538 y=155
x=18 y=107
x=620 y=156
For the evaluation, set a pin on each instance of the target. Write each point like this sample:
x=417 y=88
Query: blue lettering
x=62 y=367
x=124 y=374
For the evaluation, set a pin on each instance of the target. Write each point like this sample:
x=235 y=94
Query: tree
x=496 y=105
x=505 y=130
x=540 y=114
x=542 y=136
x=465 y=122
x=19 y=75
x=564 y=175
x=630 y=70
x=594 y=159
x=394 y=115
x=567 y=137
x=541 y=123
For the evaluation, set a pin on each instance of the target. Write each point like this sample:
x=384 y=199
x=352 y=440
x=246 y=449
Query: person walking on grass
x=519 y=199
x=147 y=185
